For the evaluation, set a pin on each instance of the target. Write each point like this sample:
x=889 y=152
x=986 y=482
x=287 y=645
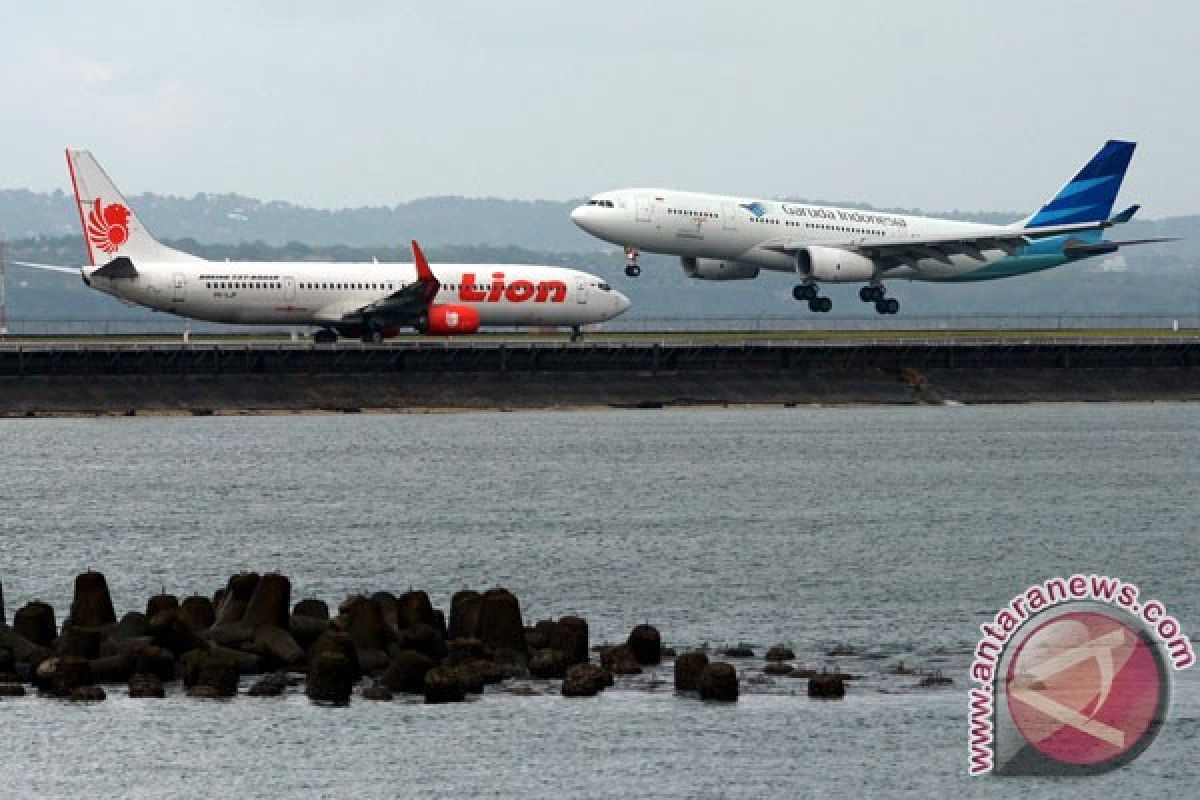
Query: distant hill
x=231 y=218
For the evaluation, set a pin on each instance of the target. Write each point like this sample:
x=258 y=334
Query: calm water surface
x=894 y=531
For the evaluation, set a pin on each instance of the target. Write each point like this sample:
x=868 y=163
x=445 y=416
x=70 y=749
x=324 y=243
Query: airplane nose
x=623 y=302
x=579 y=216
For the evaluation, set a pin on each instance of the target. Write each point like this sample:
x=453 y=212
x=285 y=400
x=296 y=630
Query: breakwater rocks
x=380 y=644
x=250 y=639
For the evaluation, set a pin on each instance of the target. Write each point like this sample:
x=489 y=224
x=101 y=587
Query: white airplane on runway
x=732 y=238
x=369 y=300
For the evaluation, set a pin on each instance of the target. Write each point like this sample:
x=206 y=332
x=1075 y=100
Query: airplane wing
x=407 y=303
x=47 y=267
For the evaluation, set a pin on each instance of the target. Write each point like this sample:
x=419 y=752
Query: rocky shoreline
x=377 y=645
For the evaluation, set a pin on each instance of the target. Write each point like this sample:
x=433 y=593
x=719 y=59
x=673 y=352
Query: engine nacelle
x=835 y=265
x=449 y=320
x=711 y=269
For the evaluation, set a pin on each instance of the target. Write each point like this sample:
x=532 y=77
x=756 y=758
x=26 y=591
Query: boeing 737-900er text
x=732 y=238
x=373 y=300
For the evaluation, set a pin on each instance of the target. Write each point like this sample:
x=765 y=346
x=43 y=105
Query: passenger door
x=645 y=210
x=179 y=288
x=581 y=291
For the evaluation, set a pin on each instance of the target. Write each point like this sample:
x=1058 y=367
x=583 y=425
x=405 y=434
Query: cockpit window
x=604 y=287
x=600 y=203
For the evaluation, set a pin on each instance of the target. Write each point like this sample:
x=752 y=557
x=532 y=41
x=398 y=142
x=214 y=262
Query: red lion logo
x=108 y=228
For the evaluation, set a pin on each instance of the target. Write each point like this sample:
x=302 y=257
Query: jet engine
x=835 y=265
x=711 y=269
x=449 y=320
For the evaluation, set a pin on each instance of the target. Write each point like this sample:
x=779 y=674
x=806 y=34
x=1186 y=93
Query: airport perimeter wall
x=96 y=378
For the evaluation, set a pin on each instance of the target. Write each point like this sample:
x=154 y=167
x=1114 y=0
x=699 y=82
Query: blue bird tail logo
x=756 y=208
x=1089 y=196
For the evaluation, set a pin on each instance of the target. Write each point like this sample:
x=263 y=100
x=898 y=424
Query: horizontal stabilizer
x=120 y=267
x=47 y=267
x=1076 y=250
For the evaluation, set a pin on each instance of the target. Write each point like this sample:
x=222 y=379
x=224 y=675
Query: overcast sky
x=923 y=103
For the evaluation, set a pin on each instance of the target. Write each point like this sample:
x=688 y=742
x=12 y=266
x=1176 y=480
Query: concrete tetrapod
x=688 y=668
x=719 y=682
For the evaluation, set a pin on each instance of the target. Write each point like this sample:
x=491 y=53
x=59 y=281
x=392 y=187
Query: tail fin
x=110 y=227
x=1090 y=195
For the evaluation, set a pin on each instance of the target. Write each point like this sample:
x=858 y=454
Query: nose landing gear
x=878 y=296
x=632 y=269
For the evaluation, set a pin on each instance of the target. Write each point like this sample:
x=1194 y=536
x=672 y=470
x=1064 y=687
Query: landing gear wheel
x=375 y=337
x=325 y=336
x=820 y=304
x=632 y=269
x=804 y=291
x=872 y=294
x=891 y=305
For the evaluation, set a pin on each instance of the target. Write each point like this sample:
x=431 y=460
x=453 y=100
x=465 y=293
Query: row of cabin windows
x=709 y=214
x=241 y=285
x=483 y=287
x=374 y=286
x=312 y=286
x=840 y=228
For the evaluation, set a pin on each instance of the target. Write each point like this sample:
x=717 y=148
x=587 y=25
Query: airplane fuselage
x=304 y=293
x=766 y=234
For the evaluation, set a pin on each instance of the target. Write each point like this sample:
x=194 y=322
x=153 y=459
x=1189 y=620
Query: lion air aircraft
x=372 y=301
x=732 y=238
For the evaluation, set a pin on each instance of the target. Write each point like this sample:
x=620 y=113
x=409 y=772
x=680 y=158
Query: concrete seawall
x=93 y=377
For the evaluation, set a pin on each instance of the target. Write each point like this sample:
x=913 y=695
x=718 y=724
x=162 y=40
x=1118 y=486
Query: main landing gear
x=325 y=336
x=878 y=296
x=632 y=269
x=372 y=332
x=576 y=333
x=808 y=291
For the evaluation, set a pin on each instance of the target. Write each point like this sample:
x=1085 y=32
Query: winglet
x=424 y=273
x=1125 y=215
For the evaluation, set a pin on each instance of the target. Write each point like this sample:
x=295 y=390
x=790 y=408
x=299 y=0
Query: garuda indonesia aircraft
x=368 y=300
x=733 y=238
